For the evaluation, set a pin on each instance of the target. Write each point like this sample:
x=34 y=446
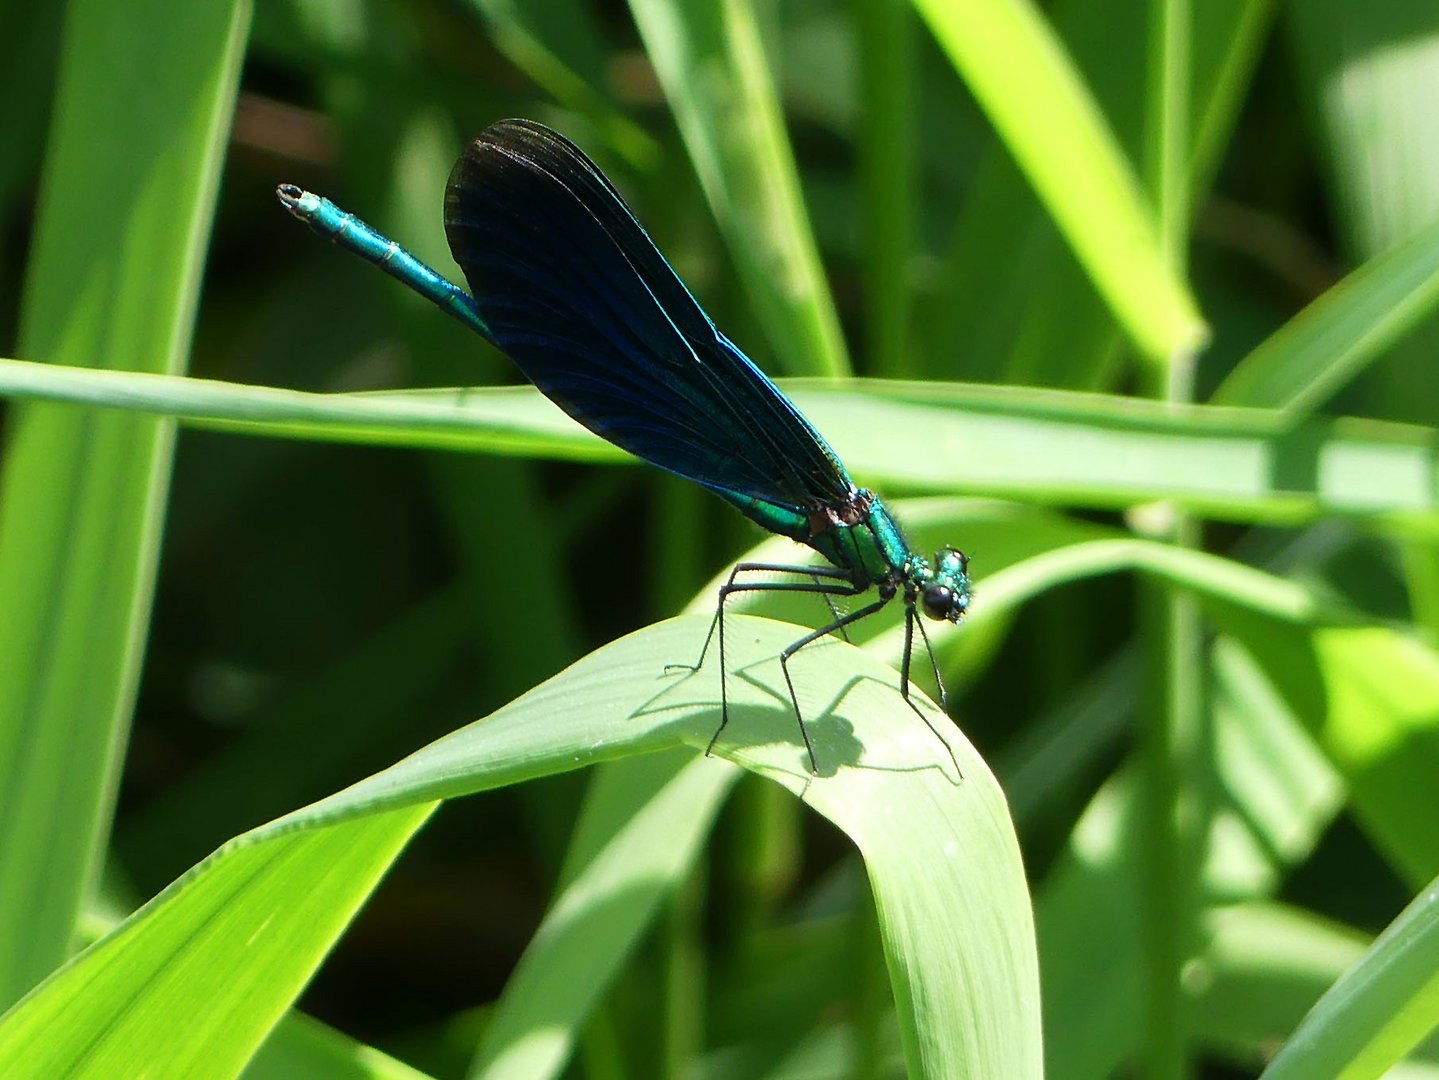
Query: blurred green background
x=321 y=610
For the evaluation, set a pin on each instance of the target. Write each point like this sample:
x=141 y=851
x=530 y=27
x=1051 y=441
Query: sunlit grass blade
x=1365 y=690
x=643 y=825
x=1042 y=110
x=1369 y=74
x=1326 y=345
x=1379 y=1010
x=1270 y=963
x=1371 y=686
x=711 y=62
x=114 y=273
x=192 y=983
x=941 y=853
x=1071 y=448
x=1268 y=822
x=1367 y=693
x=1366 y=76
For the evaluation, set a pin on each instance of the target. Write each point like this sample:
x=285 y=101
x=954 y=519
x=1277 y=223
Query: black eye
x=938 y=601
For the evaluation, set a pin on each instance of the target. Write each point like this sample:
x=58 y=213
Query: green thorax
x=858 y=536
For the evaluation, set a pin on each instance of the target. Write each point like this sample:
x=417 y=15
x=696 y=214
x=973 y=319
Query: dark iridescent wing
x=578 y=296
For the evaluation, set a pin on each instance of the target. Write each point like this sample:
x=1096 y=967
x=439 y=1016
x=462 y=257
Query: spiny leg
x=769 y=586
x=784 y=657
x=845 y=588
x=826 y=581
x=834 y=612
x=933 y=663
x=911 y=621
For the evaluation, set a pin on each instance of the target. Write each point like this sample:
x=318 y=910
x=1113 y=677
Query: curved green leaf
x=193 y=982
x=940 y=851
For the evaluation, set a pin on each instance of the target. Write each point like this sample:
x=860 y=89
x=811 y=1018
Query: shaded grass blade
x=558 y=43
x=1316 y=353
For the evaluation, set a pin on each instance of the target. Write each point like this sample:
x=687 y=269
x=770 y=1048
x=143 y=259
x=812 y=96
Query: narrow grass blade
x=711 y=62
x=1009 y=301
x=1268 y=823
x=1379 y=1010
x=1249 y=465
x=559 y=44
x=885 y=144
x=1270 y=963
x=1042 y=110
x=643 y=825
x=1367 y=76
x=131 y=173
x=1367 y=693
x=1326 y=345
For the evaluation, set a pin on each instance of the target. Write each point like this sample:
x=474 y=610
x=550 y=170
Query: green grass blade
x=302 y=1046
x=192 y=984
x=711 y=62
x=885 y=145
x=1379 y=1010
x=1367 y=693
x=941 y=853
x=643 y=825
x=1365 y=690
x=1369 y=74
x=1249 y=465
x=131 y=173
x=1326 y=345
x=1270 y=963
x=1174 y=735
x=1268 y=822
x=1009 y=301
x=1042 y=110
x=559 y=44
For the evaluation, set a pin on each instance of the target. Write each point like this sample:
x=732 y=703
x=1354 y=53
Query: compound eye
x=938 y=601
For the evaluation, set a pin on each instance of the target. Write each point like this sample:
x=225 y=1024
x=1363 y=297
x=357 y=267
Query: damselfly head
x=945 y=595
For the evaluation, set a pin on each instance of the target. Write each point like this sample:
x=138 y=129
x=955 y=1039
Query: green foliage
x=1201 y=661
